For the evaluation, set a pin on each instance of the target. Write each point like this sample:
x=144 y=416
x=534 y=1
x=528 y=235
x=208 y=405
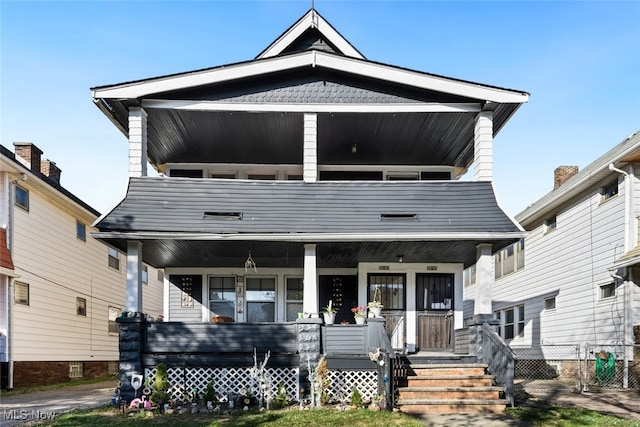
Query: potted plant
x=329 y=314
x=359 y=313
x=375 y=305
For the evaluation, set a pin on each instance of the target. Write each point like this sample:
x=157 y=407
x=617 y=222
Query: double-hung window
x=222 y=296
x=261 y=299
x=294 y=297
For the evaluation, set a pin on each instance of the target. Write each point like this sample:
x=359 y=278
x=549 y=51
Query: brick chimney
x=30 y=154
x=49 y=168
x=562 y=173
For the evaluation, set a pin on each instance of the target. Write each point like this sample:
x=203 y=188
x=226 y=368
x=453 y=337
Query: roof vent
x=399 y=217
x=223 y=215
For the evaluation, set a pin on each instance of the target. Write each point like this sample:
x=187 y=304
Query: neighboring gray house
x=574 y=279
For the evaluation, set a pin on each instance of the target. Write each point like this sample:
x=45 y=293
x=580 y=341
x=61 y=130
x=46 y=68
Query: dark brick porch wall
x=27 y=374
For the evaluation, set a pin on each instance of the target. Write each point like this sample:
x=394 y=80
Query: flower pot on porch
x=376 y=311
x=329 y=318
x=360 y=320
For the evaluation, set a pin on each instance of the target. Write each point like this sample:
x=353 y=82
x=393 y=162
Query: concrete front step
x=448 y=369
x=450 y=381
x=452 y=406
x=439 y=393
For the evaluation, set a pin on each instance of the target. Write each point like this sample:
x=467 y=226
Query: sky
x=579 y=60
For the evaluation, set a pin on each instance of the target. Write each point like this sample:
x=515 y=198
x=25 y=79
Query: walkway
x=48 y=404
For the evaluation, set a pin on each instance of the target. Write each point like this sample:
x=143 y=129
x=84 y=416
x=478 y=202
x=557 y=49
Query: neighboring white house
x=60 y=289
x=574 y=278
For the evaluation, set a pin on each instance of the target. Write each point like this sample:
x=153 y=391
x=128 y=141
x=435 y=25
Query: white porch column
x=310 y=148
x=310 y=290
x=484 y=281
x=137 y=142
x=134 y=276
x=483 y=147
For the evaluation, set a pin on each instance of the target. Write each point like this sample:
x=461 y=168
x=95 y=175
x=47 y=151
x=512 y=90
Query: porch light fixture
x=400 y=258
x=354 y=148
x=250 y=263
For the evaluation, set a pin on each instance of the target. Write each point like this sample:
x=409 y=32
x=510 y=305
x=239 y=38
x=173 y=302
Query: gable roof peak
x=304 y=33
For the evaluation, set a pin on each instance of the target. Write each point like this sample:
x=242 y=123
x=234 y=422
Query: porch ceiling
x=276 y=138
x=165 y=253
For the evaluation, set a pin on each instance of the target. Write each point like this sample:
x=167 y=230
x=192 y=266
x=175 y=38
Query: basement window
x=75 y=369
x=399 y=217
x=223 y=215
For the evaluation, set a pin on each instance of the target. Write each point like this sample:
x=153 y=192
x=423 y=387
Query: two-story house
x=305 y=176
x=61 y=290
x=334 y=174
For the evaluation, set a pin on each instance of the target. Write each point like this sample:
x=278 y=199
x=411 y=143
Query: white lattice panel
x=342 y=383
x=183 y=381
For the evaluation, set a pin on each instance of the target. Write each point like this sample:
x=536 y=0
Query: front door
x=342 y=291
x=434 y=297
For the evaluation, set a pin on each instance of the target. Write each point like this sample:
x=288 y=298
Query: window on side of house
x=550 y=304
x=389 y=288
x=261 y=299
x=22 y=198
x=81 y=231
x=469 y=276
x=550 y=224
x=114 y=259
x=145 y=274
x=21 y=293
x=402 y=176
x=509 y=259
x=608 y=191
x=223 y=175
x=294 y=298
x=81 y=306
x=511 y=322
x=113 y=313
x=222 y=296
x=607 y=291
x=76 y=369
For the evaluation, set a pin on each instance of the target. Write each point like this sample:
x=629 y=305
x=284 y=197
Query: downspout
x=628 y=195
x=10 y=285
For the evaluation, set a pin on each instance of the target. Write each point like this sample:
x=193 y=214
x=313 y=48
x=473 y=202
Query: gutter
x=312 y=237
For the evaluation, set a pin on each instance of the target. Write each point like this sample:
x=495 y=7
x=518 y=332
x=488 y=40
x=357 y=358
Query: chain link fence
x=581 y=368
x=555 y=366
x=611 y=366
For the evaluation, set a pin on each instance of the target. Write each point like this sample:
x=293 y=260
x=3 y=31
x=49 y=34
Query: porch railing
x=500 y=359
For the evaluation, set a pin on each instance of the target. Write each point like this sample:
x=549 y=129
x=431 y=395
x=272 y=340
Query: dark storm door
x=434 y=298
x=343 y=293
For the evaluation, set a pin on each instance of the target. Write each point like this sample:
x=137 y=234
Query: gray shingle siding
x=179 y=205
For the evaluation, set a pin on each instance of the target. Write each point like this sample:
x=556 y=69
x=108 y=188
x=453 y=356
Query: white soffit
x=313 y=59
x=310 y=20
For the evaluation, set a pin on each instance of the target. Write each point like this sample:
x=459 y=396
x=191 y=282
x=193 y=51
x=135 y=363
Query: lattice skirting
x=342 y=383
x=184 y=381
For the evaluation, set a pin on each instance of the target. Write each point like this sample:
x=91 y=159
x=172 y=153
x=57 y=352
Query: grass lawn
x=567 y=417
x=110 y=416
x=537 y=416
